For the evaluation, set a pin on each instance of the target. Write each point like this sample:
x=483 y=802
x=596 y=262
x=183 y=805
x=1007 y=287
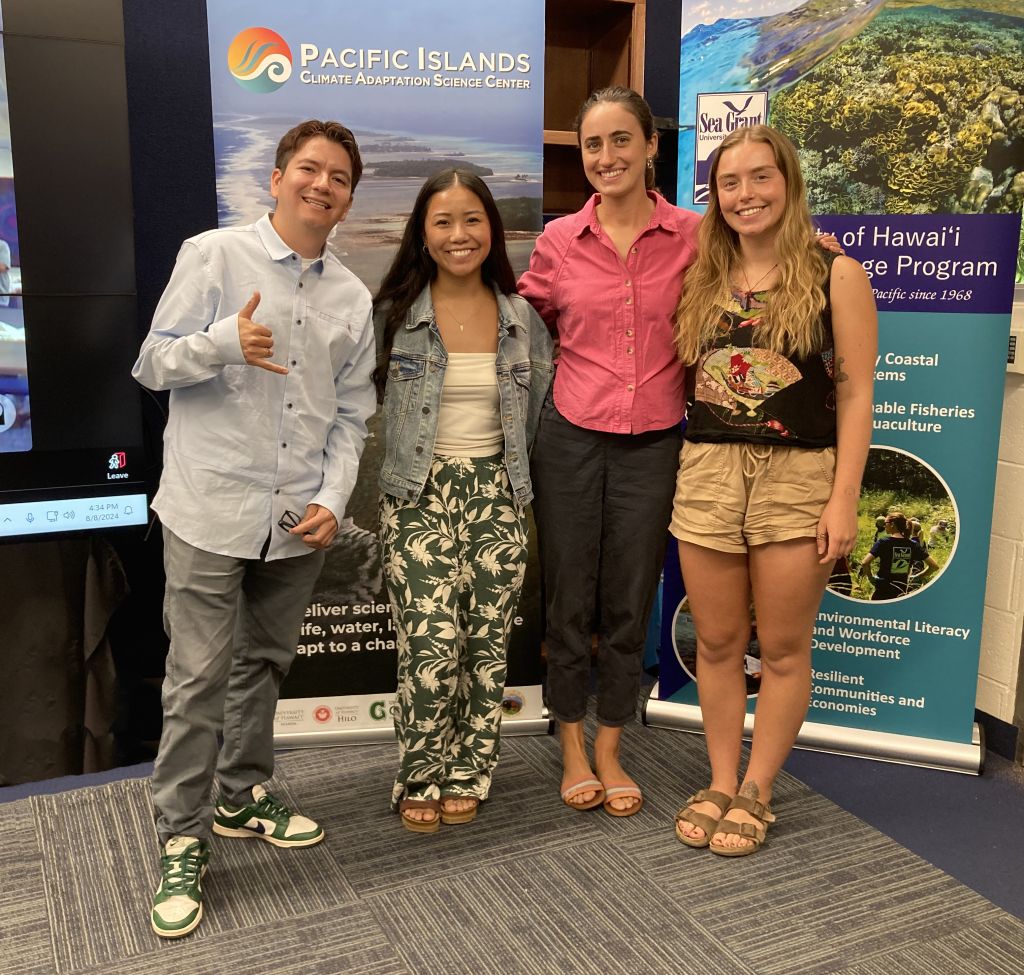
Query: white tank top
x=469 y=421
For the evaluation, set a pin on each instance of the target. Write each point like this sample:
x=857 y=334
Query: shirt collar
x=662 y=216
x=422 y=310
x=276 y=248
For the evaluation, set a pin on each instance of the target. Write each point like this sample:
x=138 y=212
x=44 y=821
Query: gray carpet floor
x=531 y=887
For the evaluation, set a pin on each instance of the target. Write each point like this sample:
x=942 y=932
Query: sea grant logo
x=717 y=116
x=260 y=60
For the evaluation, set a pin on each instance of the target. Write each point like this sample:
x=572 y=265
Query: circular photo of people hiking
x=907 y=530
x=684 y=642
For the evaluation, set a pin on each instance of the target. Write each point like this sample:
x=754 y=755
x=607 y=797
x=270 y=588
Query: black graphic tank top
x=740 y=393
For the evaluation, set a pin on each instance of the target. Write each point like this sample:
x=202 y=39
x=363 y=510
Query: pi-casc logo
x=260 y=60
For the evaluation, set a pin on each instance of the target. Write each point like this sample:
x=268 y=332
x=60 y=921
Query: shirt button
x=277 y=490
x=298 y=321
x=630 y=388
x=629 y=350
x=294 y=258
x=426 y=410
x=301 y=285
x=294 y=362
x=629 y=284
x=629 y=301
x=284 y=445
x=629 y=333
x=633 y=251
x=419 y=450
x=289 y=406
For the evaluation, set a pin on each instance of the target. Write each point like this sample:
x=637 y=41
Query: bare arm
x=855 y=329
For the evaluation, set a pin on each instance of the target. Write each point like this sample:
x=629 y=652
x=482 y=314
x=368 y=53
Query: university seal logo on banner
x=717 y=116
x=260 y=60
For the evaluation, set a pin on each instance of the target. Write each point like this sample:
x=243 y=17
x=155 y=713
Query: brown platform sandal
x=420 y=825
x=761 y=811
x=705 y=822
x=465 y=816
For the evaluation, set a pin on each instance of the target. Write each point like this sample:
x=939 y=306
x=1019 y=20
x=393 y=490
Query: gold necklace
x=747 y=296
x=448 y=308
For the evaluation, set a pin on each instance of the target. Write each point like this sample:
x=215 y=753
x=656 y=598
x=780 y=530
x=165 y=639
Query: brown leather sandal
x=702 y=820
x=421 y=825
x=465 y=816
x=761 y=811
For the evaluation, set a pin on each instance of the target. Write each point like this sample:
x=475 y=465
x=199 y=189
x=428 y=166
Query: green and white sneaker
x=266 y=818
x=178 y=901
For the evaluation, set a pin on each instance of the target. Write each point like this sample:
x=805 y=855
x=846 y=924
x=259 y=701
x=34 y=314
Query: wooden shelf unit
x=590 y=44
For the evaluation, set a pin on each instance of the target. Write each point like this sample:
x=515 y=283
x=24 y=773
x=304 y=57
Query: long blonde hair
x=791 y=322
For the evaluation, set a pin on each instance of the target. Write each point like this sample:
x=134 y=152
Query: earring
x=426 y=250
x=650 y=162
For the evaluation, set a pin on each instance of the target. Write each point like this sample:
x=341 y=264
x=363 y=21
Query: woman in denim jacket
x=463 y=365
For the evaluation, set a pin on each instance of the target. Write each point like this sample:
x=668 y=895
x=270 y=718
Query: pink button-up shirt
x=617 y=369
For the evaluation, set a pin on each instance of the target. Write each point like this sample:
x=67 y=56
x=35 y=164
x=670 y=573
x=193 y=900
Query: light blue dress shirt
x=243 y=445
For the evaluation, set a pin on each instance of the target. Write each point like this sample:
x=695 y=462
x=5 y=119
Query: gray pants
x=234 y=626
x=602 y=506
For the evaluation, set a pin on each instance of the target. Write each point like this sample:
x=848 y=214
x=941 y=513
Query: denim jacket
x=412 y=395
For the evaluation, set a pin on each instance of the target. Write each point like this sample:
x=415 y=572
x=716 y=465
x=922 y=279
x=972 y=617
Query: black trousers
x=602 y=504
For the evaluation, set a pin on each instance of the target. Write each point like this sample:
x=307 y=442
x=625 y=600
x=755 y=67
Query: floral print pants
x=454 y=563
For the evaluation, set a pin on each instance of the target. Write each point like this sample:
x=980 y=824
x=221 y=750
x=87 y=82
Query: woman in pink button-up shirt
x=607 y=281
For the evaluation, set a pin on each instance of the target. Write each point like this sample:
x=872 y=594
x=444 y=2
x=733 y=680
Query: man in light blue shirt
x=265 y=341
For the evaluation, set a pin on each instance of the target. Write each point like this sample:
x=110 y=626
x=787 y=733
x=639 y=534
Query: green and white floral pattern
x=454 y=563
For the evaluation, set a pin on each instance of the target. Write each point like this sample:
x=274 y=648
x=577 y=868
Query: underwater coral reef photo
x=921 y=112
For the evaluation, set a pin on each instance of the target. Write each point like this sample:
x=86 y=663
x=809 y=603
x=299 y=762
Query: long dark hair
x=413 y=268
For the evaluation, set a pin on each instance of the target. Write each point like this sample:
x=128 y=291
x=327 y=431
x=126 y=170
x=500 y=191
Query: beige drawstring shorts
x=730 y=496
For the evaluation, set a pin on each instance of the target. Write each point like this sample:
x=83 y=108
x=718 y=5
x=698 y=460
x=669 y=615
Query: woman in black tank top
x=782 y=343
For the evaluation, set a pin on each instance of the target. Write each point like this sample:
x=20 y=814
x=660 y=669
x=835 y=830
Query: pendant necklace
x=448 y=308
x=747 y=296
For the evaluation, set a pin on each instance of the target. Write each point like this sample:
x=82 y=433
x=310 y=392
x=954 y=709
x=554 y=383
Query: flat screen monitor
x=70 y=415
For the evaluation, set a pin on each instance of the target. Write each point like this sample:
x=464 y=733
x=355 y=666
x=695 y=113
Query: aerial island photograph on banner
x=423 y=87
x=909 y=123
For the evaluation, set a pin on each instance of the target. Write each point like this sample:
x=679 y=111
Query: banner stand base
x=949 y=756
x=385 y=732
x=363 y=719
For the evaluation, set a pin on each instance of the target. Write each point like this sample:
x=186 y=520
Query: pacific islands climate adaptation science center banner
x=912 y=155
x=422 y=86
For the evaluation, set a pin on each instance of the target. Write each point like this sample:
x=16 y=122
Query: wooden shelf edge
x=559 y=137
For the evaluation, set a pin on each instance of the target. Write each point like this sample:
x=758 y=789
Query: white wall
x=1003 y=621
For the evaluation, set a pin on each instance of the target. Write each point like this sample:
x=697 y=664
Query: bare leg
x=575 y=764
x=609 y=769
x=788 y=584
x=718 y=588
